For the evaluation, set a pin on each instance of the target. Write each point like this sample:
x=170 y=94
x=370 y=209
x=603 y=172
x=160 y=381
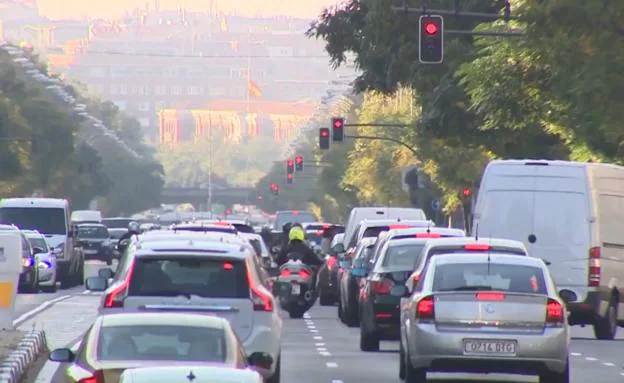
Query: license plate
x=296 y=290
x=489 y=347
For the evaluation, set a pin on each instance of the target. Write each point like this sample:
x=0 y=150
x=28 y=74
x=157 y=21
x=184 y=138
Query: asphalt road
x=320 y=349
x=30 y=304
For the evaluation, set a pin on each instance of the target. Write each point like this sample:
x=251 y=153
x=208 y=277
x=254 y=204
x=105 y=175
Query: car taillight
x=594 y=267
x=331 y=262
x=425 y=308
x=382 y=287
x=490 y=297
x=97 y=377
x=262 y=300
x=304 y=273
x=285 y=273
x=115 y=298
x=554 y=312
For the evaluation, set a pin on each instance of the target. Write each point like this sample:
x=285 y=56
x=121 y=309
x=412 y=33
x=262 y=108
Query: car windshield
x=40 y=243
x=161 y=342
x=93 y=232
x=489 y=276
x=292 y=217
x=174 y=276
x=207 y=229
x=117 y=233
x=314 y=237
x=45 y=220
x=406 y=256
x=116 y=223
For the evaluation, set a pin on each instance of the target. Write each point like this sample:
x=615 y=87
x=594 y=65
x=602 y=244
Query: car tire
x=352 y=316
x=326 y=299
x=369 y=342
x=340 y=313
x=277 y=374
x=80 y=279
x=401 y=361
x=109 y=261
x=414 y=375
x=556 y=377
x=606 y=328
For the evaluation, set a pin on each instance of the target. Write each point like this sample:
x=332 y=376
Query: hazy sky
x=64 y=9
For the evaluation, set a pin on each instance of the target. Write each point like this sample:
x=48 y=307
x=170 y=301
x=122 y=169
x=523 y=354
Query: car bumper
x=386 y=318
x=47 y=276
x=444 y=351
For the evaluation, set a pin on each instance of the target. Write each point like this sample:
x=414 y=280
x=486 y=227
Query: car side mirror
x=96 y=284
x=338 y=248
x=106 y=273
x=261 y=359
x=37 y=250
x=62 y=355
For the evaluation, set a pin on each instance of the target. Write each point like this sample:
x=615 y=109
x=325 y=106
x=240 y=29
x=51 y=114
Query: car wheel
x=414 y=375
x=278 y=368
x=369 y=341
x=556 y=377
x=109 y=261
x=340 y=314
x=606 y=328
x=352 y=316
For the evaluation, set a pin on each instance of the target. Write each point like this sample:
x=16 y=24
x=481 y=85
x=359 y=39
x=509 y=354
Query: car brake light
x=425 y=308
x=285 y=273
x=398 y=226
x=326 y=226
x=382 y=287
x=594 y=267
x=477 y=247
x=261 y=298
x=228 y=266
x=554 y=312
x=331 y=262
x=304 y=273
x=115 y=298
x=97 y=377
x=428 y=235
x=490 y=296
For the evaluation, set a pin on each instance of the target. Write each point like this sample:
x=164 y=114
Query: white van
x=359 y=214
x=50 y=217
x=86 y=216
x=571 y=215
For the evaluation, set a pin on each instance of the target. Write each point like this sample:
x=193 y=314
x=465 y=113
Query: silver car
x=485 y=313
x=199 y=275
x=46 y=260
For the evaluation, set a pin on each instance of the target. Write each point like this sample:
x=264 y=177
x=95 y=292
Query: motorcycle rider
x=133 y=229
x=297 y=245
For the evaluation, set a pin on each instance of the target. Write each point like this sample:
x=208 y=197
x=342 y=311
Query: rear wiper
x=470 y=288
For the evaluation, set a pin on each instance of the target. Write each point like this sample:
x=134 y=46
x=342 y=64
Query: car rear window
x=173 y=276
x=314 y=237
x=242 y=228
x=161 y=342
x=372 y=232
x=403 y=256
x=489 y=276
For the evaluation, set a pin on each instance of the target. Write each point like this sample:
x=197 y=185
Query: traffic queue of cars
x=182 y=301
x=454 y=303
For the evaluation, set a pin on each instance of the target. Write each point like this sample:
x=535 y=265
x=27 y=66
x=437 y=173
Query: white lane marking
x=306 y=316
x=324 y=353
x=591 y=359
x=576 y=354
x=321 y=349
x=337 y=381
x=314 y=331
x=38 y=309
x=331 y=365
x=608 y=364
x=311 y=327
x=318 y=338
x=86 y=292
x=319 y=344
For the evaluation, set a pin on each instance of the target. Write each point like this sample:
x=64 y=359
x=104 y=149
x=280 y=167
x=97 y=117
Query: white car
x=200 y=275
x=198 y=374
x=46 y=260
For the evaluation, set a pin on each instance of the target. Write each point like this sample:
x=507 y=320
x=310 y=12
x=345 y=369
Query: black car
x=95 y=241
x=327 y=281
x=349 y=284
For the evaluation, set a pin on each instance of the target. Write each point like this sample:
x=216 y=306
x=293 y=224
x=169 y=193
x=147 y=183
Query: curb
x=32 y=345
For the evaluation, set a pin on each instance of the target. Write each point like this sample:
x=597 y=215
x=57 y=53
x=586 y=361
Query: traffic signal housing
x=431 y=39
x=290 y=178
x=290 y=166
x=299 y=163
x=274 y=189
x=324 y=138
x=338 y=129
x=466 y=193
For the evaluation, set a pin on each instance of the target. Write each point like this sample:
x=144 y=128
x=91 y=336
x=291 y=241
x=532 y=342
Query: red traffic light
x=290 y=163
x=467 y=192
x=431 y=28
x=325 y=133
x=299 y=159
x=289 y=176
x=338 y=123
x=273 y=186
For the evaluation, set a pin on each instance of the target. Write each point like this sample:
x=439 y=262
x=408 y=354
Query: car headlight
x=27 y=262
x=45 y=265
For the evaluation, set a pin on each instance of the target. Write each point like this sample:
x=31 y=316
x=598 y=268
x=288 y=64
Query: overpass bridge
x=198 y=197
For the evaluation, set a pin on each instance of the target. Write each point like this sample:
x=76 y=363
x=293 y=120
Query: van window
x=43 y=219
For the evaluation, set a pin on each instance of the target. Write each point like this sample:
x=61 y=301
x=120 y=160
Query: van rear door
x=562 y=223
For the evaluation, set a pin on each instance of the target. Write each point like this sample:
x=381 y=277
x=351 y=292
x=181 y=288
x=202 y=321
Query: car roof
x=199 y=248
x=94 y=224
x=171 y=235
x=385 y=222
x=163 y=318
x=34 y=202
x=459 y=241
x=9 y=227
x=445 y=259
x=32 y=234
x=415 y=230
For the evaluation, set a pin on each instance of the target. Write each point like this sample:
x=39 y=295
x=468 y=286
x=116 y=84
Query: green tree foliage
x=553 y=94
x=41 y=149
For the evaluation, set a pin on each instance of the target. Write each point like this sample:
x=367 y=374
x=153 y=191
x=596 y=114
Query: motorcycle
x=294 y=286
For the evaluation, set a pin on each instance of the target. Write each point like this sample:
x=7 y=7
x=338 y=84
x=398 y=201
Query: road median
x=19 y=351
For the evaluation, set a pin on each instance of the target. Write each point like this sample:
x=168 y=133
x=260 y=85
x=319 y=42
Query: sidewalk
x=63 y=323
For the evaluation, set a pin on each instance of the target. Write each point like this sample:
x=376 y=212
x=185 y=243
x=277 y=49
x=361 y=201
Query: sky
x=76 y=9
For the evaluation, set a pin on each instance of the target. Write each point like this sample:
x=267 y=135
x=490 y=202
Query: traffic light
x=299 y=163
x=290 y=166
x=431 y=40
x=324 y=138
x=274 y=189
x=289 y=178
x=466 y=193
x=338 y=129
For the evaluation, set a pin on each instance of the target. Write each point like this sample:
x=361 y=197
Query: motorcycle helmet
x=134 y=228
x=296 y=233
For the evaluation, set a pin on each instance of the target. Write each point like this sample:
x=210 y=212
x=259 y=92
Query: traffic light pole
x=398 y=142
